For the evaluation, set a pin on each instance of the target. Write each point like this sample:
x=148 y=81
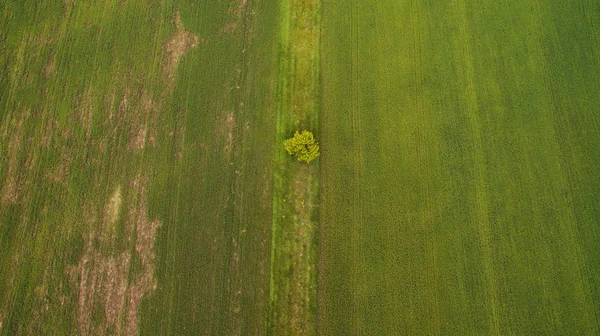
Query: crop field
x=137 y=166
x=459 y=185
x=144 y=188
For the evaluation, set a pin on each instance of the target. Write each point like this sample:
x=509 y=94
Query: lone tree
x=302 y=146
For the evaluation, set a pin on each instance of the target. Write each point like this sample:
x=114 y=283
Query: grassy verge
x=296 y=198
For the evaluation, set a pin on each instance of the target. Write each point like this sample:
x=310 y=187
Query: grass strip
x=295 y=201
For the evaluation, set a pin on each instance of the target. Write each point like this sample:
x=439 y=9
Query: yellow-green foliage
x=302 y=146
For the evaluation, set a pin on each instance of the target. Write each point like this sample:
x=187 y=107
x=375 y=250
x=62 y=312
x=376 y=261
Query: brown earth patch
x=145 y=283
x=60 y=173
x=124 y=103
x=182 y=41
x=228 y=28
x=51 y=126
x=85 y=110
x=235 y=14
x=224 y=130
x=142 y=122
x=99 y=280
x=113 y=208
x=49 y=67
x=138 y=136
x=102 y=275
x=11 y=190
x=40 y=40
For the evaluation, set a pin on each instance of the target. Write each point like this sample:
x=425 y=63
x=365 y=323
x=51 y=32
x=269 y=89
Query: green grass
x=459 y=144
x=61 y=157
x=215 y=253
x=293 y=272
x=146 y=190
x=80 y=82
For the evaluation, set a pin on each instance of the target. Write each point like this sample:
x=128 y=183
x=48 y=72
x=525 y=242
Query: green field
x=144 y=188
x=137 y=165
x=459 y=183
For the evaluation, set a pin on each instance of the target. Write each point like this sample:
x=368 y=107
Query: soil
x=11 y=189
x=104 y=277
x=50 y=67
x=182 y=41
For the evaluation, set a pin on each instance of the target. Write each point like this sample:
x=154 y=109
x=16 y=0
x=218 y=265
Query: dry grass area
x=59 y=174
x=50 y=66
x=12 y=188
x=85 y=111
x=98 y=116
x=235 y=14
x=182 y=41
x=104 y=277
x=224 y=131
x=112 y=278
x=143 y=122
x=113 y=208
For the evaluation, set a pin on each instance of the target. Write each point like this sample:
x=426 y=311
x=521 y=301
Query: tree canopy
x=302 y=146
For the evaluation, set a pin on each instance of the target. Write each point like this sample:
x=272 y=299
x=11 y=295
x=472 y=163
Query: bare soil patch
x=85 y=110
x=12 y=187
x=102 y=275
x=109 y=104
x=113 y=208
x=142 y=122
x=224 y=130
x=182 y=41
x=60 y=173
x=235 y=13
x=51 y=126
x=124 y=103
x=49 y=67
x=138 y=136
